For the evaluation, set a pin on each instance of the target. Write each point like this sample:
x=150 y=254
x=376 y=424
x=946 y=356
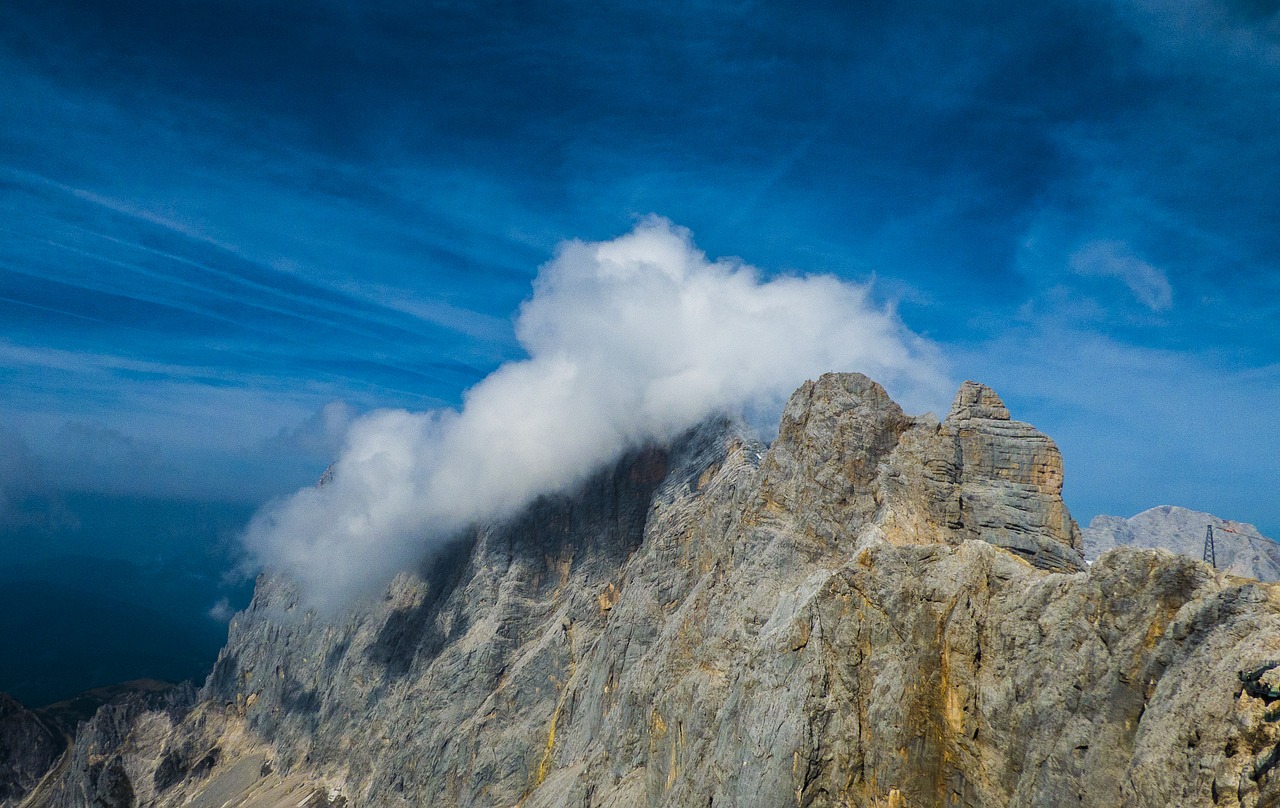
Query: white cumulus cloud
x=628 y=341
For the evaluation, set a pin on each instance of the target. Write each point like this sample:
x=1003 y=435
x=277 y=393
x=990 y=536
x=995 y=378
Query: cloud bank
x=628 y=341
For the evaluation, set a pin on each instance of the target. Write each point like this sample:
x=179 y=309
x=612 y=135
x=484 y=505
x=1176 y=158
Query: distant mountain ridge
x=1240 y=547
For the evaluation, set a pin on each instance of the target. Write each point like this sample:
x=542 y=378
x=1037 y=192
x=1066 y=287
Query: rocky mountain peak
x=975 y=400
x=847 y=455
x=820 y=475
x=877 y=609
x=842 y=419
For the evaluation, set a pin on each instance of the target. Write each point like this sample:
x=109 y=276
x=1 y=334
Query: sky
x=231 y=229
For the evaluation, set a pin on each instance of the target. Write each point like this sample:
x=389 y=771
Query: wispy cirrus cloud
x=362 y=224
x=1113 y=259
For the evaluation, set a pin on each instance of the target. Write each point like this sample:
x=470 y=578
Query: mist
x=629 y=341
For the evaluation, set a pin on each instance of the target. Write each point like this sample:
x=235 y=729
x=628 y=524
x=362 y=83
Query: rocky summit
x=875 y=610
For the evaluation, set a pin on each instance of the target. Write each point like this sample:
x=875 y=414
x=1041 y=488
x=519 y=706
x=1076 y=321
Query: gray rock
x=1240 y=548
x=29 y=745
x=980 y=475
x=115 y=758
x=876 y=610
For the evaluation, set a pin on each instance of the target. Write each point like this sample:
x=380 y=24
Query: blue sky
x=230 y=226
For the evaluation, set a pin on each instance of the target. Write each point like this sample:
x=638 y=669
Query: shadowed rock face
x=29 y=744
x=877 y=610
x=109 y=764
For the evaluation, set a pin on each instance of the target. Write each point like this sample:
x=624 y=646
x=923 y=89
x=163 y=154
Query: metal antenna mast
x=1209 y=555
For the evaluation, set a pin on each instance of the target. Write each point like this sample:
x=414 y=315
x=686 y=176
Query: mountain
x=32 y=742
x=1239 y=547
x=29 y=745
x=875 y=610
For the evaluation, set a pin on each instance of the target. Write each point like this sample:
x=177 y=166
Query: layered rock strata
x=876 y=610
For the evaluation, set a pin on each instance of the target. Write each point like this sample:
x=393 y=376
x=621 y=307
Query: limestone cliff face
x=981 y=475
x=876 y=610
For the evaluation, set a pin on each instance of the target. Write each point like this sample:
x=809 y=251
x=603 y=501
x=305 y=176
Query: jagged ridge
x=833 y=621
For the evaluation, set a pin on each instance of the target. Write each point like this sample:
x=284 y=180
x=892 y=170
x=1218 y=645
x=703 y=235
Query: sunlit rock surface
x=876 y=610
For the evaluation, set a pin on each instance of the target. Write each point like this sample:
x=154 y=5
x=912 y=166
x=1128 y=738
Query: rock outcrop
x=1240 y=548
x=981 y=475
x=29 y=745
x=113 y=761
x=875 y=610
